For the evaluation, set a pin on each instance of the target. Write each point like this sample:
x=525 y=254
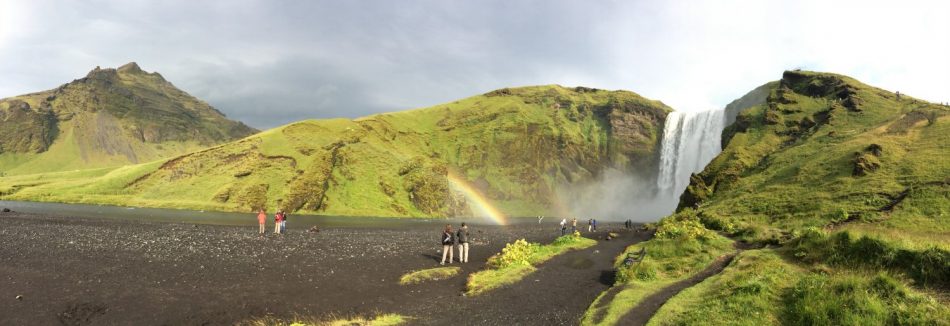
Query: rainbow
x=475 y=197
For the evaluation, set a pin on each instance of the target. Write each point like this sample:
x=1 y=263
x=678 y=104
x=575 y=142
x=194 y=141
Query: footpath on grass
x=645 y=310
x=557 y=293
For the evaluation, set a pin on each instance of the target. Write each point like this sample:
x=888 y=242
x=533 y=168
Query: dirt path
x=557 y=294
x=642 y=313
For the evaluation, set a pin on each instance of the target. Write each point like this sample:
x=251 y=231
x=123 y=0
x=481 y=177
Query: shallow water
x=294 y=221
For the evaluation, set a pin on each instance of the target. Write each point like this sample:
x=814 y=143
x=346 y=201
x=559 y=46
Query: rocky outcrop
x=24 y=129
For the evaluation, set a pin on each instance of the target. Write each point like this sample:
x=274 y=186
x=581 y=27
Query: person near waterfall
x=261 y=218
x=448 y=241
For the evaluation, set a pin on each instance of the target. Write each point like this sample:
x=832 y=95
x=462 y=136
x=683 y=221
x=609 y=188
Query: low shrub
x=929 y=267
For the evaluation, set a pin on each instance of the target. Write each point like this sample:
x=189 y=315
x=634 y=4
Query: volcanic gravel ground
x=76 y=271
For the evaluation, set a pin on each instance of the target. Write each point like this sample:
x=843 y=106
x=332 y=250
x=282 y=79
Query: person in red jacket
x=261 y=218
x=278 y=217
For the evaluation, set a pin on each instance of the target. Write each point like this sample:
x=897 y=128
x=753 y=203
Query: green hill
x=111 y=117
x=826 y=150
x=838 y=196
x=514 y=146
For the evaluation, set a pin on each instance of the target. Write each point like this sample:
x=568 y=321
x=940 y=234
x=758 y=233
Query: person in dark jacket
x=462 y=238
x=448 y=241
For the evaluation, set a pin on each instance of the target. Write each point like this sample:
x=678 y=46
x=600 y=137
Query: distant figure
x=448 y=240
x=283 y=221
x=261 y=218
x=628 y=224
x=590 y=225
x=540 y=218
x=898 y=93
x=593 y=223
x=573 y=225
x=278 y=217
x=563 y=226
x=462 y=238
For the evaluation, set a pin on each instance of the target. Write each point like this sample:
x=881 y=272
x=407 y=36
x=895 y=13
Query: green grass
x=518 y=260
x=379 y=320
x=764 y=287
x=431 y=274
x=516 y=146
x=748 y=292
x=681 y=249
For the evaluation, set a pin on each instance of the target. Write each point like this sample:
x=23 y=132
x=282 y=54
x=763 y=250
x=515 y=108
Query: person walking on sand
x=448 y=241
x=261 y=218
x=462 y=238
x=563 y=226
x=277 y=218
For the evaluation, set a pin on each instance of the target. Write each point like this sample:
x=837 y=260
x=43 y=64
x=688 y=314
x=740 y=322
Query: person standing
x=462 y=238
x=277 y=219
x=574 y=225
x=594 y=224
x=283 y=221
x=448 y=240
x=590 y=225
x=563 y=226
x=261 y=218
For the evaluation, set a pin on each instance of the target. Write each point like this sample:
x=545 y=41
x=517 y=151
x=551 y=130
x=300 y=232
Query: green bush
x=683 y=225
x=515 y=253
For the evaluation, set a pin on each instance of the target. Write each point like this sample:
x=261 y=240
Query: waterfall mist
x=690 y=140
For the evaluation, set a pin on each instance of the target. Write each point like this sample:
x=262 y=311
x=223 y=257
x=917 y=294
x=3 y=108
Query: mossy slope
x=111 y=117
x=515 y=146
x=825 y=150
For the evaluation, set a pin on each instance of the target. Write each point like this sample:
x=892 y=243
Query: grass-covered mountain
x=825 y=149
x=111 y=117
x=846 y=187
x=516 y=146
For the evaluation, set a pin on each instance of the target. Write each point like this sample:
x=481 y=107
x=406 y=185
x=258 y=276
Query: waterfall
x=690 y=141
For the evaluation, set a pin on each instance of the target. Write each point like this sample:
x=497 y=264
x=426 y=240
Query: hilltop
x=110 y=117
x=824 y=149
x=515 y=146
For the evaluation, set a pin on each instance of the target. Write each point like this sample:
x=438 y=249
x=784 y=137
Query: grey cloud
x=272 y=62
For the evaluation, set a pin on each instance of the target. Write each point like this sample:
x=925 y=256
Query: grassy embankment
x=518 y=260
x=681 y=248
x=431 y=274
x=379 y=320
x=515 y=145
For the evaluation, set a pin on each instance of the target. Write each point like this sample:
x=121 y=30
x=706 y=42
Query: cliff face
x=515 y=146
x=110 y=117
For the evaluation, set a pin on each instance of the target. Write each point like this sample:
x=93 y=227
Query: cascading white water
x=690 y=141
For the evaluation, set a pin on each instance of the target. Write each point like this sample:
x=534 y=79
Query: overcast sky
x=268 y=63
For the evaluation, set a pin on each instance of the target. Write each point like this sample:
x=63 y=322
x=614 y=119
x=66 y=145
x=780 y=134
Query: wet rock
x=6 y=210
x=19 y=297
